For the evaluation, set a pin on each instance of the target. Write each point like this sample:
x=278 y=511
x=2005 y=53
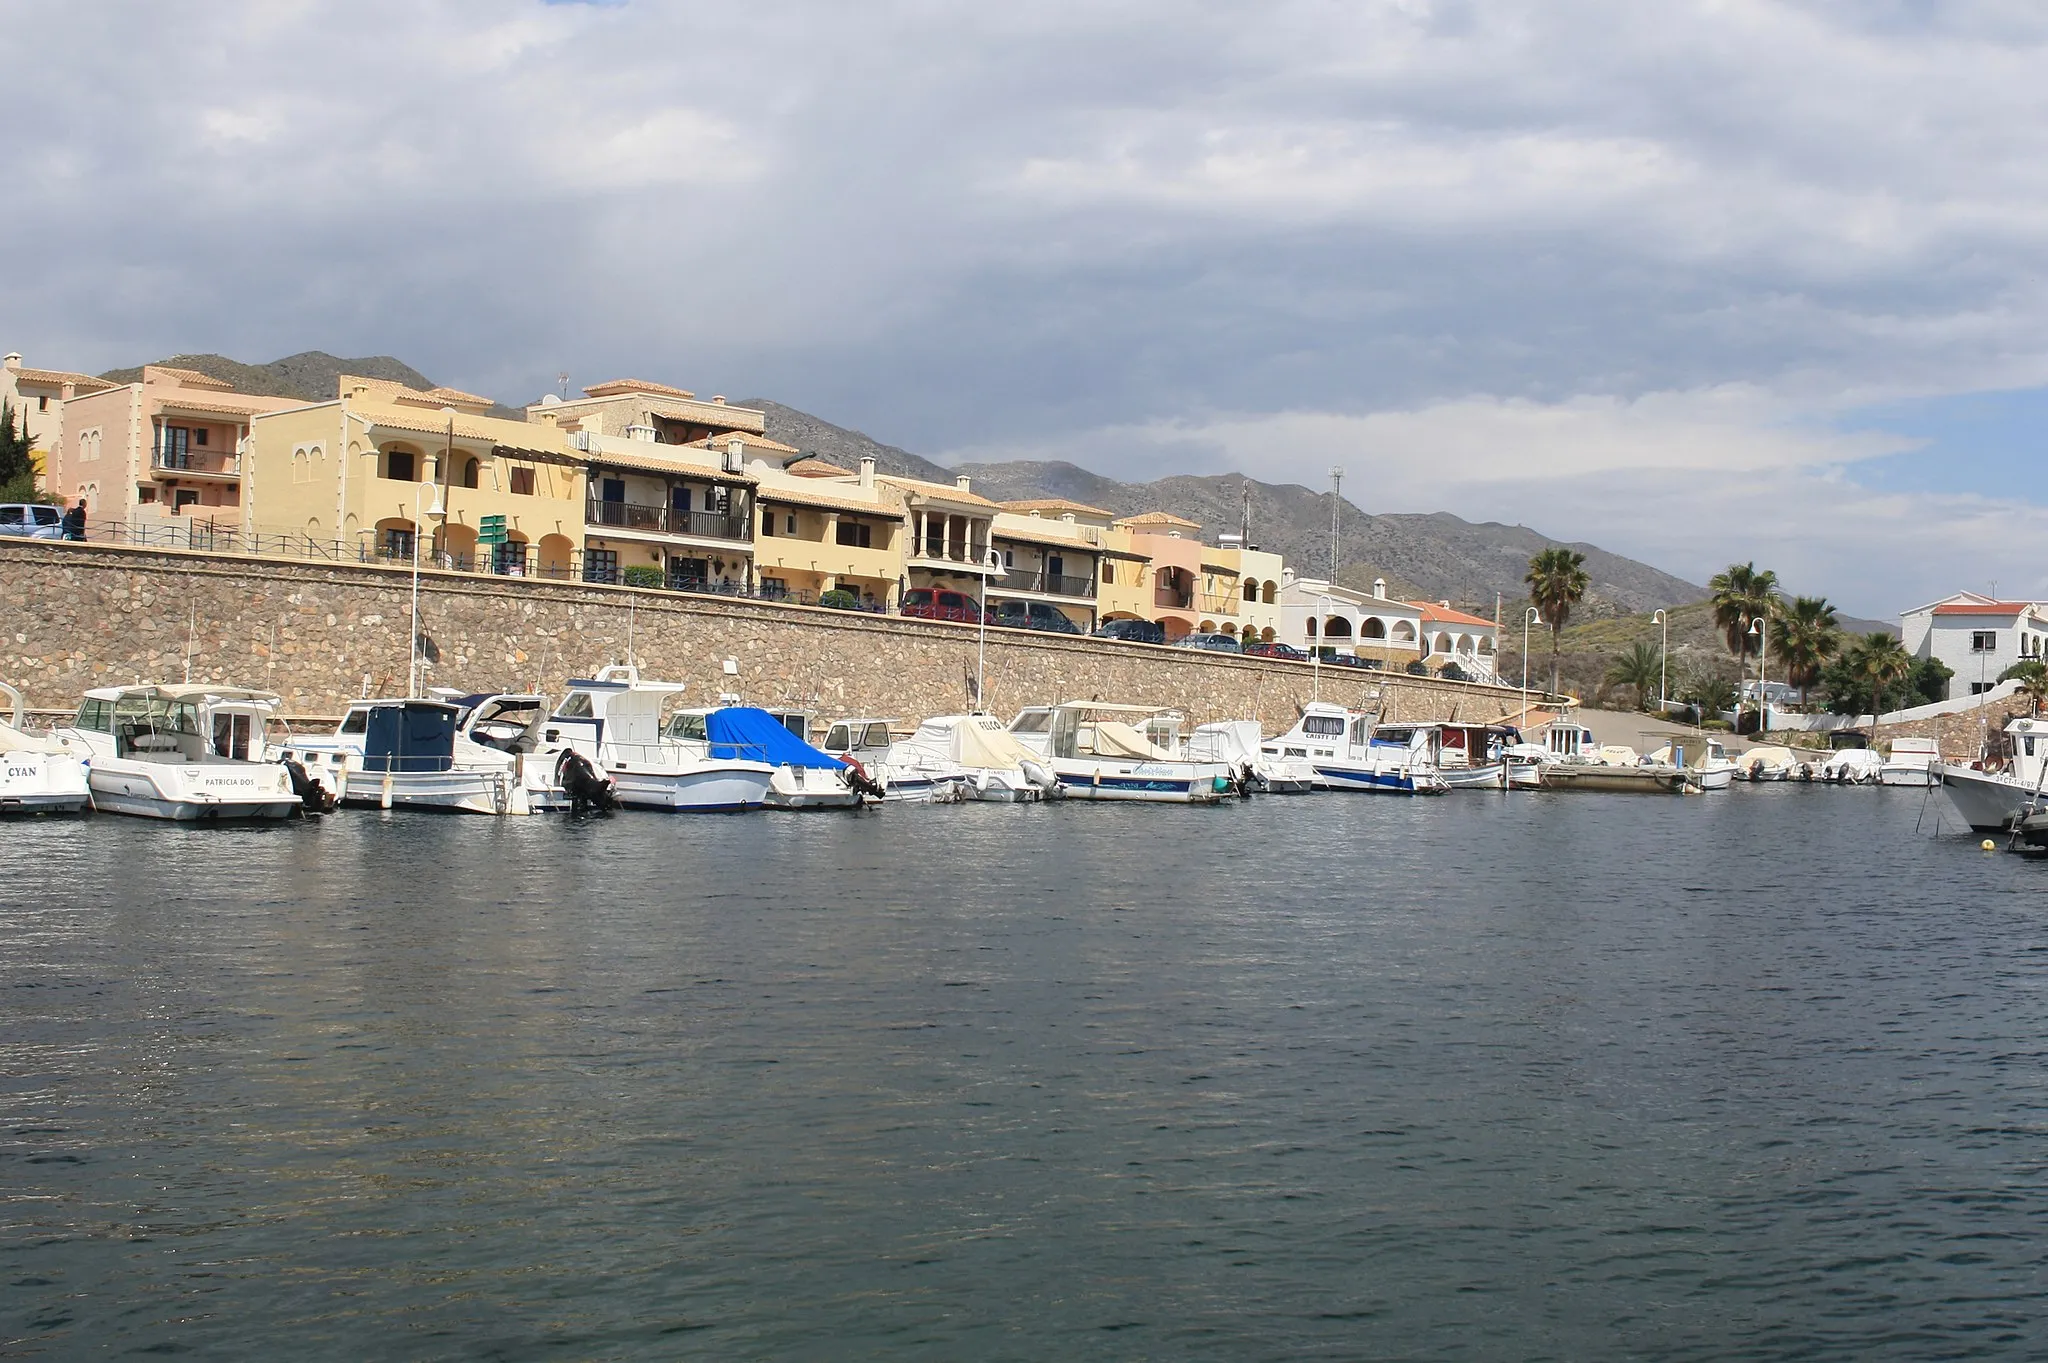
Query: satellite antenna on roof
x=1246 y=542
x=563 y=379
x=1336 y=509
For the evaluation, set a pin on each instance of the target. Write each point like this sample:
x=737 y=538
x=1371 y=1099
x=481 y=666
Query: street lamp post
x=1762 y=629
x=993 y=563
x=433 y=495
x=1529 y=617
x=1663 y=661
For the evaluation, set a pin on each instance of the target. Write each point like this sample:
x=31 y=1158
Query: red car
x=1287 y=651
x=936 y=603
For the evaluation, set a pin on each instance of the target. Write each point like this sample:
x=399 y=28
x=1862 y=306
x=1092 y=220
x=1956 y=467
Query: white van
x=32 y=519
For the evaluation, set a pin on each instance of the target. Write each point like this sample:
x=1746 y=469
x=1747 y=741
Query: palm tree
x=1741 y=596
x=1710 y=693
x=2032 y=675
x=1641 y=666
x=1806 y=637
x=1882 y=662
x=1557 y=582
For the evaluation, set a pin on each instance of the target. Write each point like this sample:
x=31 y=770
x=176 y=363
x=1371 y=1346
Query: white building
x=1977 y=637
x=1319 y=614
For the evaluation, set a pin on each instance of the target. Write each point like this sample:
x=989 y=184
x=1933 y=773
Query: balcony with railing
x=195 y=463
x=1049 y=584
x=664 y=520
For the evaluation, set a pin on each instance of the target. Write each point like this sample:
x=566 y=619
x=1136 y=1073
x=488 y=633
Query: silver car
x=31 y=519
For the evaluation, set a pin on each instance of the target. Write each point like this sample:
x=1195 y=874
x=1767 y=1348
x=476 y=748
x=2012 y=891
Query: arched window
x=469 y=469
x=401 y=465
x=1403 y=632
x=1311 y=628
x=1373 y=628
x=1337 y=627
x=1269 y=597
x=1443 y=643
x=1251 y=589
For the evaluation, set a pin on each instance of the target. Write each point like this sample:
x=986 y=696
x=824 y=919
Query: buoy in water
x=1988 y=845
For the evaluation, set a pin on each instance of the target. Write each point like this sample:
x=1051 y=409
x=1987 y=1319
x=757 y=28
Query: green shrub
x=839 y=599
x=642 y=575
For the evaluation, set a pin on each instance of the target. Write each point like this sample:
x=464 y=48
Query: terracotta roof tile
x=1444 y=615
x=819 y=496
x=191 y=378
x=57 y=378
x=615 y=387
x=938 y=491
x=1984 y=608
x=1056 y=504
x=1161 y=518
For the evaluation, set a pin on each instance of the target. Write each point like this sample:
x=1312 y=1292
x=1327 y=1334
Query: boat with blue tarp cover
x=804 y=778
x=614 y=720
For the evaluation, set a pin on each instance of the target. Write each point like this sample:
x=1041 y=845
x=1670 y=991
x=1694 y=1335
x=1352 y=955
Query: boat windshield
x=1323 y=726
x=687 y=726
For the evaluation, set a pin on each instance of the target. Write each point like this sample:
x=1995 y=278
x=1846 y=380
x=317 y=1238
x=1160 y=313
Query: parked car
x=1133 y=631
x=1209 y=643
x=1275 y=650
x=936 y=603
x=1330 y=657
x=1031 y=615
x=32 y=519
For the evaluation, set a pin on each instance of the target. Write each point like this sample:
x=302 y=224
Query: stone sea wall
x=319 y=634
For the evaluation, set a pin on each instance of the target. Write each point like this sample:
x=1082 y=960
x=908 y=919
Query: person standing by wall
x=74 y=522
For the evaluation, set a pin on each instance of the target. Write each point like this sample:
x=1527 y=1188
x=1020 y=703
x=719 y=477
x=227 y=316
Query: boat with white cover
x=1101 y=751
x=1238 y=743
x=863 y=743
x=1856 y=767
x=1913 y=762
x=186 y=752
x=1771 y=762
x=614 y=720
x=1709 y=769
x=1350 y=750
x=38 y=774
x=975 y=756
x=1990 y=793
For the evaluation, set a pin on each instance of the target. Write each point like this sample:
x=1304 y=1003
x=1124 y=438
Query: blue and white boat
x=1351 y=750
x=615 y=721
x=1120 y=752
x=804 y=777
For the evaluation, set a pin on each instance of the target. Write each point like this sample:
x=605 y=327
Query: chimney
x=867 y=470
x=735 y=454
x=1445 y=603
x=718 y=400
x=1379 y=588
x=961 y=483
x=12 y=360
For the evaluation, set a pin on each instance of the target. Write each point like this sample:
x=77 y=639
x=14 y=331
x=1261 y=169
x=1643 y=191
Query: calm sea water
x=1753 y=1075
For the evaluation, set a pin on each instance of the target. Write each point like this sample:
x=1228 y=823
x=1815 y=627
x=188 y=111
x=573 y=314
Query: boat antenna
x=1336 y=510
x=191 y=624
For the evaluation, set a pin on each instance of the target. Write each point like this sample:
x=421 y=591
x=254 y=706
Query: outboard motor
x=862 y=784
x=314 y=798
x=1042 y=777
x=587 y=791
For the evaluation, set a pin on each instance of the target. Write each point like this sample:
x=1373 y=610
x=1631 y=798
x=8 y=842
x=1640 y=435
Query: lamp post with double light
x=1760 y=627
x=432 y=493
x=1530 y=617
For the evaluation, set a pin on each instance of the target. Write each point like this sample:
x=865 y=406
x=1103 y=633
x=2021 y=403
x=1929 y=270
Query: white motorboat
x=1992 y=792
x=185 y=752
x=1767 y=763
x=1350 y=751
x=1119 y=752
x=974 y=755
x=805 y=778
x=1239 y=744
x=38 y=774
x=1857 y=767
x=863 y=743
x=1913 y=762
x=1482 y=757
x=421 y=754
x=1710 y=769
x=614 y=721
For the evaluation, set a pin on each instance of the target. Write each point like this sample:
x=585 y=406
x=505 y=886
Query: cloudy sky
x=1696 y=280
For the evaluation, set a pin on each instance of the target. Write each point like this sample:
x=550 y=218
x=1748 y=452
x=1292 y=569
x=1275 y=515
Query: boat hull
x=1373 y=781
x=811 y=788
x=1156 y=782
x=130 y=788
x=1719 y=779
x=1986 y=800
x=730 y=789
x=1914 y=777
x=454 y=791
x=43 y=783
x=1490 y=777
x=1619 y=780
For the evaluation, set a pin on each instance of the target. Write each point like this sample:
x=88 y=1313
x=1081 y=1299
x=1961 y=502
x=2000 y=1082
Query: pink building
x=170 y=445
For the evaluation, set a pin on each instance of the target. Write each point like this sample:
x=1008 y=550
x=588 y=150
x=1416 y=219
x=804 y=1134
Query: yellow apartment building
x=827 y=529
x=364 y=473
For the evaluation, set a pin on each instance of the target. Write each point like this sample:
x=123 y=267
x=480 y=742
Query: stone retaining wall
x=81 y=615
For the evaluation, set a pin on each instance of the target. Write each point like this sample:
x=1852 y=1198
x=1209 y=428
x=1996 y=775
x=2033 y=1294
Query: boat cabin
x=1326 y=730
x=183 y=724
x=864 y=740
x=409 y=735
x=1085 y=729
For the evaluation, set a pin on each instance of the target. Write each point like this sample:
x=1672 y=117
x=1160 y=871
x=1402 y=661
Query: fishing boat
x=1350 y=750
x=1709 y=769
x=804 y=778
x=613 y=721
x=186 y=752
x=424 y=754
x=1992 y=792
x=1643 y=778
x=1239 y=744
x=38 y=774
x=1119 y=752
x=1913 y=762
x=1482 y=757
x=975 y=756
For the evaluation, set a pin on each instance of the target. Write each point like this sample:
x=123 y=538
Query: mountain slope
x=837 y=445
x=309 y=376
